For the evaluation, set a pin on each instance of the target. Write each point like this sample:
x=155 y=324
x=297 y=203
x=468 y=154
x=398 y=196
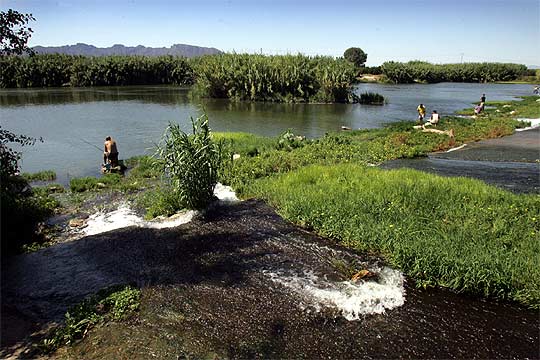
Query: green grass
x=457 y=233
x=453 y=232
x=92 y=183
x=45 y=175
x=110 y=304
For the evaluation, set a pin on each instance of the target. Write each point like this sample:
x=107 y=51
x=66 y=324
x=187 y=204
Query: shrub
x=191 y=163
x=370 y=98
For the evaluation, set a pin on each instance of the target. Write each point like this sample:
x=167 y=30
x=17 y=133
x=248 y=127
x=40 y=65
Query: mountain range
x=118 y=49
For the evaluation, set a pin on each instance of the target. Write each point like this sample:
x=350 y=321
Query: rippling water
x=68 y=118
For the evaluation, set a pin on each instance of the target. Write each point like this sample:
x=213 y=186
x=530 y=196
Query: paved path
x=511 y=162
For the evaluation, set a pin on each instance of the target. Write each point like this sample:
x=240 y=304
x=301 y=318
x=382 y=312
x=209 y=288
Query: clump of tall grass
x=290 y=78
x=371 y=98
x=453 y=232
x=191 y=163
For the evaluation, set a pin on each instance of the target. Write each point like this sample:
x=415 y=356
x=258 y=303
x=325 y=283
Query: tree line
x=420 y=71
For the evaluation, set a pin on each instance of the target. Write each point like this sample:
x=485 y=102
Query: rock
x=101 y=185
x=76 y=222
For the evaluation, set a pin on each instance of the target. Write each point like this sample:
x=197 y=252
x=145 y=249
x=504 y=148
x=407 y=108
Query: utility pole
x=462 y=57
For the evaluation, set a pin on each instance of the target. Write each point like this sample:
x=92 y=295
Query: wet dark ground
x=205 y=294
x=511 y=162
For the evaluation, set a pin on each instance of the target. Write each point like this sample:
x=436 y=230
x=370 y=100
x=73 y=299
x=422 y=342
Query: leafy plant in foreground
x=191 y=162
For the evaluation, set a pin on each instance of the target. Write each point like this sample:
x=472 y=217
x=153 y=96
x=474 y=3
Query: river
x=68 y=119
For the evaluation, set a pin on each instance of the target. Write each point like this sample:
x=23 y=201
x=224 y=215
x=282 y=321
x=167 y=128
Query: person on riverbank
x=536 y=90
x=421 y=113
x=110 y=153
x=434 y=119
x=478 y=108
x=483 y=98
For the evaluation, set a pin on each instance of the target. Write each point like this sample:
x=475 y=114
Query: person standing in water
x=110 y=153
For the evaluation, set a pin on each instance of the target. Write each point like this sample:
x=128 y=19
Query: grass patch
x=92 y=183
x=110 y=304
x=371 y=98
x=45 y=175
x=457 y=233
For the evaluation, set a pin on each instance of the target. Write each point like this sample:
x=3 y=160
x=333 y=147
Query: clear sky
x=438 y=31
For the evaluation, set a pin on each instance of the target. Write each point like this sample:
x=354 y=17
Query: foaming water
x=124 y=216
x=351 y=299
x=534 y=124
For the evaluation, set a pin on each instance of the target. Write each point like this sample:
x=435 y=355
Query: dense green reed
x=453 y=232
x=62 y=70
x=289 y=78
x=420 y=71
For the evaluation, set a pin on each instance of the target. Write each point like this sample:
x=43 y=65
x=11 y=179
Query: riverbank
x=241 y=282
x=510 y=219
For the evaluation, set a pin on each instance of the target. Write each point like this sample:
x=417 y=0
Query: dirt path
x=243 y=283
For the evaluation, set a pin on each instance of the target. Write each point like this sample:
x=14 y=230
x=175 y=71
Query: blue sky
x=438 y=31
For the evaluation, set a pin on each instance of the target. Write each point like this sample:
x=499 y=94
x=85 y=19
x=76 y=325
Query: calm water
x=68 y=118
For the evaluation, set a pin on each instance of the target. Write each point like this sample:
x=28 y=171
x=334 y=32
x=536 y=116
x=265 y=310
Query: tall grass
x=191 y=163
x=290 y=78
x=420 y=71
x=60 y=70
x=458 y=233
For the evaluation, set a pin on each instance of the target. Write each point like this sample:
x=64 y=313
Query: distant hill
x=90 y=50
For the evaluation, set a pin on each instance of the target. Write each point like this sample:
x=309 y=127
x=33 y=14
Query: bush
x=370 y=98
x=191 y=163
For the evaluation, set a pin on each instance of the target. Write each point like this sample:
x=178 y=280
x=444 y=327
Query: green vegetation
x=114 y=303
x=21 y=207
x=356 y=56
x=457 y=233
x=419 y=71
x=59 y=70
x=92 y=183
x=191 y=164
x=452 y=232
x=291 y=78
x=371 y=98
x=45 y=175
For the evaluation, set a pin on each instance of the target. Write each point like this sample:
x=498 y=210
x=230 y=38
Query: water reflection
x=138 y=115
x=166 y=95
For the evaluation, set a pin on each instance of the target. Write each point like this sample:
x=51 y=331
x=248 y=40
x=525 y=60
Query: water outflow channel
x=241 y=282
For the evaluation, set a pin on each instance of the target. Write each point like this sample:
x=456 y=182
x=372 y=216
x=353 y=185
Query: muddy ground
x=206 y=294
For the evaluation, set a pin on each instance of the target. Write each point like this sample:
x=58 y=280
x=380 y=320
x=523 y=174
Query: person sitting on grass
x=434 y=119
x=478 y=108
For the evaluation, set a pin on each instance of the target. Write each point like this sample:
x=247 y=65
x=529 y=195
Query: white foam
x=456 y=148
x=124 y=216
x=352 y=299
x=534 y=123
x=225 y=193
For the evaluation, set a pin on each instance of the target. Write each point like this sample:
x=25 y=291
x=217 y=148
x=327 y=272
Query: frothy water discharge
x=317 y=287
x=124 y=216
x=352 y=299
